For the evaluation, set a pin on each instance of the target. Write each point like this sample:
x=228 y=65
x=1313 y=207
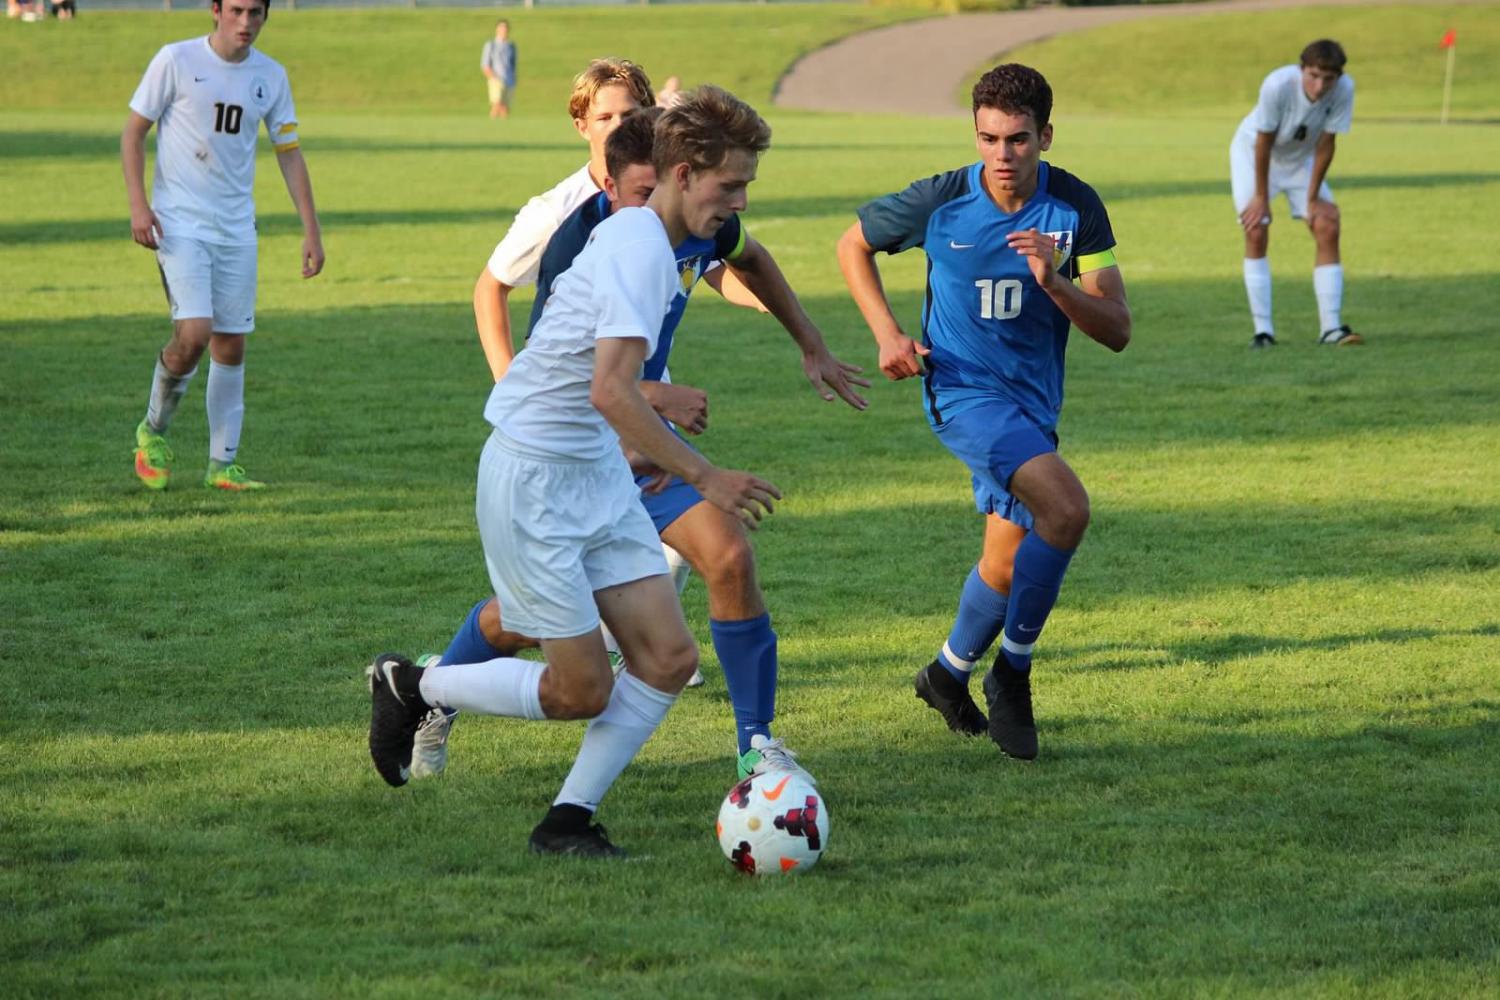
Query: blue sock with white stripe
x=1034 y=586
x=469 y=644
x=747 y=654
x=981 y=615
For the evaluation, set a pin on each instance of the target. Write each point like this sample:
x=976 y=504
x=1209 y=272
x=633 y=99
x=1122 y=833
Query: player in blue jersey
x=1005 y=238
x=713 y=543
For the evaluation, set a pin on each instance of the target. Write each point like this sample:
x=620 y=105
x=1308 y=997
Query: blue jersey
x=694 y=257
x=992 y=331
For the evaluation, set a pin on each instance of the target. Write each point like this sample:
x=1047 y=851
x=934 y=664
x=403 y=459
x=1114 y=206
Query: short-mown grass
x=1268 y=697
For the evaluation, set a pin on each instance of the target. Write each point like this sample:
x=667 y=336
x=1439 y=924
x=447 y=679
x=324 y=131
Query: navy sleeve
x=729 y=241
x=565 y=244
x=898 y=221
x=1094 y=234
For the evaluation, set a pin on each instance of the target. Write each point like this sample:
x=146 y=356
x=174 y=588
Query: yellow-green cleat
x=230 y=477
x=153 y=457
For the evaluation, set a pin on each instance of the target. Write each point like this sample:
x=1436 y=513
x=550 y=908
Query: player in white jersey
x=565 y=536
x=207 y=98
x=1285 y=145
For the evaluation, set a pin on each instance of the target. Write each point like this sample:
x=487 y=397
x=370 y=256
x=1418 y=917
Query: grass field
x=1268 y=697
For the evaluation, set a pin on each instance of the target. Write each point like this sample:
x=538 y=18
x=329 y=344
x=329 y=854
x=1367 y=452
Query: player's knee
x=731 y=569
x=679 y=663
x=1067 y=520
x=582 y=698
x=996 y=572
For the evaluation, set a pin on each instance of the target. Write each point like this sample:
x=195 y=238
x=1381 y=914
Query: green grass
x=1268 y=698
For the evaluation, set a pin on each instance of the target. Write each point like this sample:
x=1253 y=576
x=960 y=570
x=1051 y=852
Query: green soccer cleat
x=153 y=457
x=230 y=477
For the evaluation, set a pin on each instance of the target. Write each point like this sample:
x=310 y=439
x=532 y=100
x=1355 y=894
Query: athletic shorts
x=204 y=280
x=1282 y=179
x=555 y=531
x=994 y=439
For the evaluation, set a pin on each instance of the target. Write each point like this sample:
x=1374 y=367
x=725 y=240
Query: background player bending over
x=1005 y=239
x=1285 y=145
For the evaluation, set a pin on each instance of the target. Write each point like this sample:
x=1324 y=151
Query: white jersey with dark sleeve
x=620 y=286
x=518 y=256
x=1283 y=108
x=207 y=113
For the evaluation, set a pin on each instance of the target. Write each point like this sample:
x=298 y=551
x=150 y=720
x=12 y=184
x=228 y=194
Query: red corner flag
x=1450 y=39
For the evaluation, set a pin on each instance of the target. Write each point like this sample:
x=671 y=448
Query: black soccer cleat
x=950 y=698
x=396 y=709
x=1012 y=726
x=1261 y=340
x=566 y=830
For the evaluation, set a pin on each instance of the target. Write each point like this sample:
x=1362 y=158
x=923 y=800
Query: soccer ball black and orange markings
x=773 y=824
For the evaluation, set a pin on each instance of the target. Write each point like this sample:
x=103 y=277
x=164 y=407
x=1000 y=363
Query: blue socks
x=747 y=652
x=1034 y=585
x=981 y=615
x=469 y=644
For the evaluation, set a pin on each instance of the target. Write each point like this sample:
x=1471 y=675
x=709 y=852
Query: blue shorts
x=994 y=439
x=671 y=503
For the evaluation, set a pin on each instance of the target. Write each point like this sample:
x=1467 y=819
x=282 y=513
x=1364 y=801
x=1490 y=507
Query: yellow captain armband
x=289 y=127
x=739 y=246
x=1096 y=261
x=286 y=147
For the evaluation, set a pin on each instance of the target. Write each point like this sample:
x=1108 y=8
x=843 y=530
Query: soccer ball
x=773 y=824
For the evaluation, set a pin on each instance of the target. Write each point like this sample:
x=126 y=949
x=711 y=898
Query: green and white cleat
x=153 y=457
x=767 y=755
x=429 y=748
x=230 y=477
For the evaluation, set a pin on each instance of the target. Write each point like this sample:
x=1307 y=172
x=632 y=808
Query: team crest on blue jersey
x=687 y=273
x=1063 y=246
x=260 y=90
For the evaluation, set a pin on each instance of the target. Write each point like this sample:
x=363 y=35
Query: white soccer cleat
x=696 y=681
x=429 y=749
x=767 y=755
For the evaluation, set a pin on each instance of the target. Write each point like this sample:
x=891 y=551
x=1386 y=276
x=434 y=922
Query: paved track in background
x=918 y=67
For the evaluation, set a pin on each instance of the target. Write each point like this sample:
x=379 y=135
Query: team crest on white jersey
x=261 y=91
x=1063 y=246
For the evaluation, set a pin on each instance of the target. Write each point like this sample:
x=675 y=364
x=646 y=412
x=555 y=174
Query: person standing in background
x=498 y=63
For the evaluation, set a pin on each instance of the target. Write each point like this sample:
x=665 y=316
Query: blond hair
x=704 y=127
x=608 y=72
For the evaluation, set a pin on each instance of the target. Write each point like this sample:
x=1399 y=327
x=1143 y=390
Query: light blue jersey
x=994 y=334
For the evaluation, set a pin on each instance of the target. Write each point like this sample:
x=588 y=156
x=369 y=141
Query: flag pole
x=1448 y=84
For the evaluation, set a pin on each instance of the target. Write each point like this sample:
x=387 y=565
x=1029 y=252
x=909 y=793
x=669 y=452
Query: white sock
x=226 y=410
x=1328 y=283
x=1258 y=290
x=680 y=570
x=613 y=739
x=166 y=392
x=507 y=686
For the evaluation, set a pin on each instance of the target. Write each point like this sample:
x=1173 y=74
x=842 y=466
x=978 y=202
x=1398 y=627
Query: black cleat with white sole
x=1012 y=726
x=396 y=710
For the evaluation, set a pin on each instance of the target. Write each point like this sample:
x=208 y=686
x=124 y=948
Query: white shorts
x=555 y=531
x=205 y=280
x=1282 y=179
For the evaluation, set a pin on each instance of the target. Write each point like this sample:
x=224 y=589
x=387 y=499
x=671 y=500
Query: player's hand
x=1040 y=251
x=748 y=498
x=640 y=465
x=831 y=377
x=1257 y=213
x=145 y=228
x=902 y=357
x=312 y=256
x=1317 y=209
x=683 y=405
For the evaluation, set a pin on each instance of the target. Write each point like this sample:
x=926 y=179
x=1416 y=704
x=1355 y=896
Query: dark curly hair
x=1016 y=90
